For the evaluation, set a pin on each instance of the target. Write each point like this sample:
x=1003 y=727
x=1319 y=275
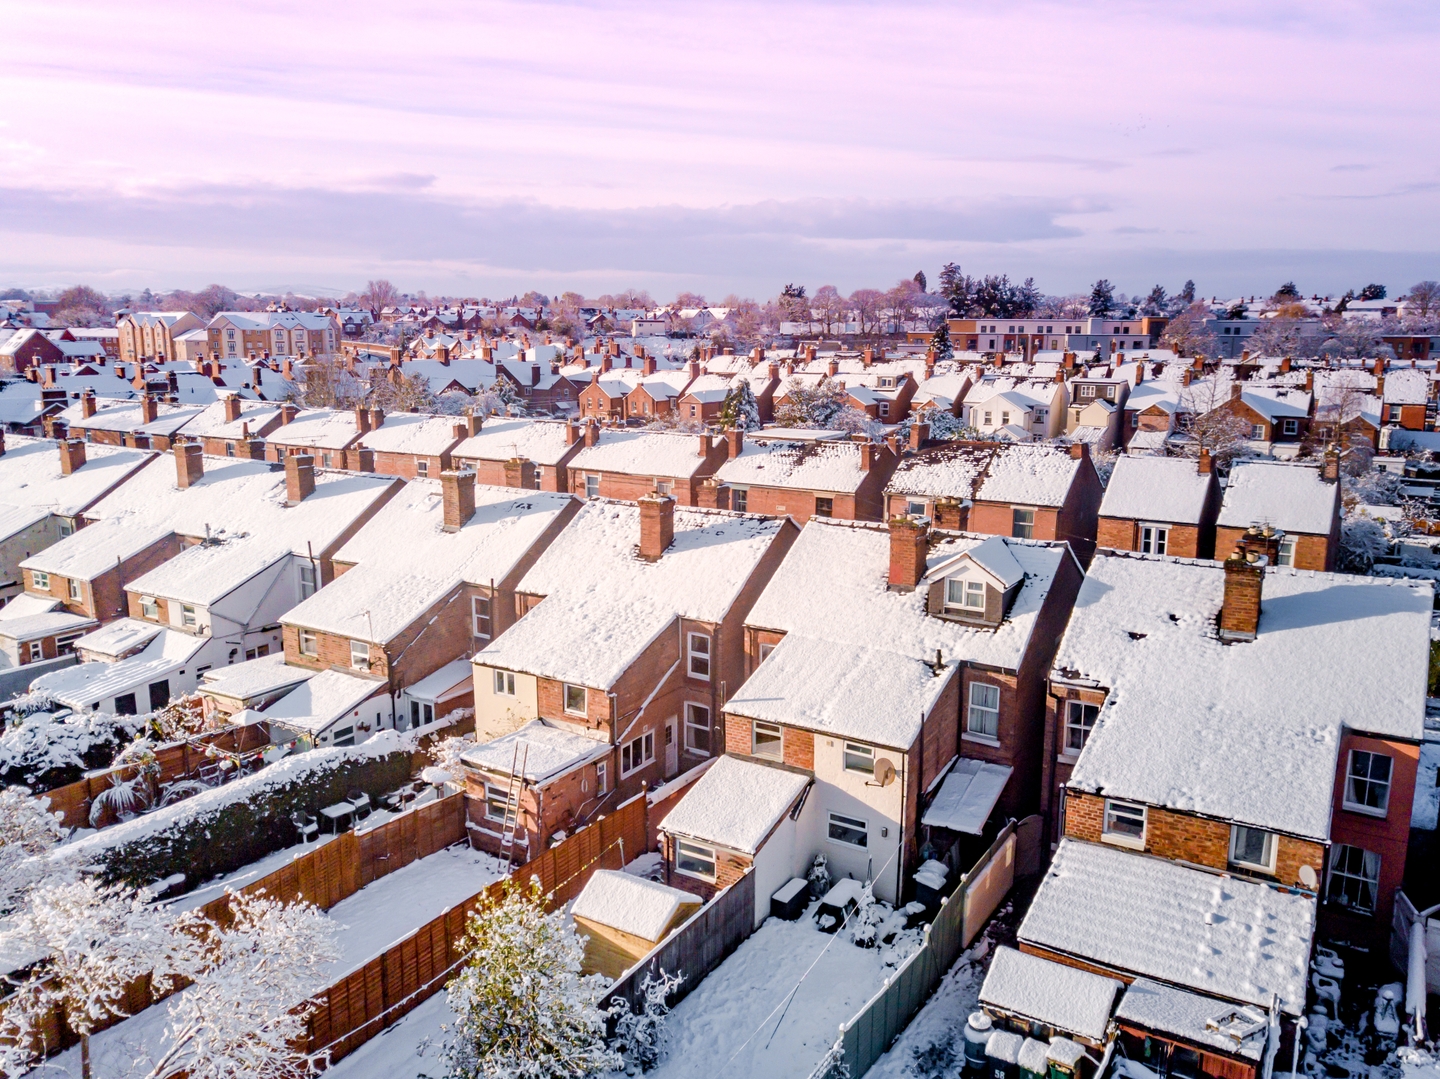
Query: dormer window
x=964 y=595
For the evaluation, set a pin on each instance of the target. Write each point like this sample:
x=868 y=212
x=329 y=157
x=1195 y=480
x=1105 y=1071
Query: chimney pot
x=189 y=463
x=1244 y=584
x=909 y=544
x=299 y=478
x=657 y=525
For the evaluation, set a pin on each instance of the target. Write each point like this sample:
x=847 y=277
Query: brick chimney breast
x=657 y=525
x=299 y=478
x=377 y=418
x=149 y=408
x=232 y=407
x=87 y=403
x=362 y=419
x=457 y=490
x=72 y=456
x=189 y=463
x=909 y=543
x=735 y=439
x=1240 y=610
x=1330 y=469
x=1206 y=464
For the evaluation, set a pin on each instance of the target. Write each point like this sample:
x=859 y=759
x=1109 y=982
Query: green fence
x=866 y=1037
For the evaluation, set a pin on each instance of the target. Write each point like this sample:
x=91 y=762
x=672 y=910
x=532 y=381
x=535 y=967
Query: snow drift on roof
x=543 y=750
x=1214 y=933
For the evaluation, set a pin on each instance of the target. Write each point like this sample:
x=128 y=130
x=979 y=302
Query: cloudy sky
x=485 y=148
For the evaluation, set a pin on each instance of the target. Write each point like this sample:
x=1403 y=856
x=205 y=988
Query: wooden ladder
x=512 y=803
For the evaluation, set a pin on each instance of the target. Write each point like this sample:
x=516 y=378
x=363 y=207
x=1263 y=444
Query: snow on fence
x=365 y=1002
x=176 y=761
x=866 y=1037
x=697 y=947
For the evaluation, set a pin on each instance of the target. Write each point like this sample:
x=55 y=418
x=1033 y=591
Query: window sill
x=693 y=876
x=1365 y=811
x=1248 y=870
x=1067 y=756
x=1133 y=842
x=981 y=739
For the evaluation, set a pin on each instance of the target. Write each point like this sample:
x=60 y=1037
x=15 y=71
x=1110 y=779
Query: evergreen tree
x=1372 y=292
x=1102 y=299
x=941 y=342
x=919 y=279
x=1287 y=291
x=740 y=410
x=1188 y=292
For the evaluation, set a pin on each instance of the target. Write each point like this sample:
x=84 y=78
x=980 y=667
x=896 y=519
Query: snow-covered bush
x=27 y=831
x=640 y=1036
x=819 y=877
x=45 y=752
x=246 y=1012
x=1362 y=541
x=522 y=1008
x=865 y=922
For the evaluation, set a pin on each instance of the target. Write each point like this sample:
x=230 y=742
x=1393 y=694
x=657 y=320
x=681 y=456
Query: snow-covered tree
x=1362 y=541
x=940 y=342
x=523 y=1010
x=640 y=1036
x=740 y=410
x=244 y=1017
x=27 y=831
x=445 y=754
x=1102 y=299
x=97 y=940
x=1187 y=333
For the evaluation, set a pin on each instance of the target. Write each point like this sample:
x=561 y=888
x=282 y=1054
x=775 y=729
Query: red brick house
x=234 y=427
x=1301 y=501
x=1025 y=490
x=148 y=423
x=408 y=445
x=506 y=452
x=658 y=393
x=703 y=398
x=623 y=464
x=324 y=434
x=1161 y=505
x=837 y=478
x=631 y=635
x=1404 y=396
x=888 y=660
x=1276 y=416
x=609 y=389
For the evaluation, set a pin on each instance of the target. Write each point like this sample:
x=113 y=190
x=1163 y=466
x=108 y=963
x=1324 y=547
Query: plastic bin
x=791 y=900
x=978 y=1029
x=1002 y=1055
x=1034 y=1059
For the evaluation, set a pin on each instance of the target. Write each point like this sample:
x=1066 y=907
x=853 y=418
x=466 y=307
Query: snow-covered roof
x=856 y=657
x=642 y=453
x=45 y=624
x=811 y=466
x=1036 y=474
x=735 y=804
x=90 y=683
x=325 y=428
x=91 y=551
x=128 y=416
x=1406 y=387
x=1072 y=1000
x=253 y=677
x=542 y=441
x=967 y=796
x=119 y=637
x=1217 y=934
x=30 y=476
x=211 y=421
x=403 y=561
x=1152 y=1005
x=1169 y=489
x=319 y=701
x=540 y=750
x=631 y=904
x=1246 y=732
x=1276 y=403
x=414 y=433
x=454 y=676
x=1291 y=497
x=604 y=604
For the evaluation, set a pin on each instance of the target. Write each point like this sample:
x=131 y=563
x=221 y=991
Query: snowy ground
x=372 y=919
x=408 y=1050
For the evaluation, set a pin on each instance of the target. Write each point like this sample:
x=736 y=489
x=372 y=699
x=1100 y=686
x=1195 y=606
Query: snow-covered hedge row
x=221 y=830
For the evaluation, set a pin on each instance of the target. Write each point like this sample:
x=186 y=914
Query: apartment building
x=155 y=335
x=235 y=335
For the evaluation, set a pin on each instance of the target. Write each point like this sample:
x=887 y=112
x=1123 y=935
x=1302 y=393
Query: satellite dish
x=884 y=772
x=1308 y=878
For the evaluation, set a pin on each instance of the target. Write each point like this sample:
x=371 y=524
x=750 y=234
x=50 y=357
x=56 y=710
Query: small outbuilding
x=624 y=917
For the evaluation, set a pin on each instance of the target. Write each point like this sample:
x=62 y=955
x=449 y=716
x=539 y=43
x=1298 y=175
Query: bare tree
x=1423 y=300
x=866 y=302
x=379 y=294
x=829 y=307
x=1209 y=422
x=1187 y=333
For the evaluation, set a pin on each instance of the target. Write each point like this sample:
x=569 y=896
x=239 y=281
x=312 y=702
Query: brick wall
x=1121 y=534
x=104 y=597
x=1311 y=551
x=779 y=501
x=1387 y=836
x=998 y=519
x=799 y=748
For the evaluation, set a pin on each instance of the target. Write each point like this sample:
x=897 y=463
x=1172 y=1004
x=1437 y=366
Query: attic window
x=961 y=594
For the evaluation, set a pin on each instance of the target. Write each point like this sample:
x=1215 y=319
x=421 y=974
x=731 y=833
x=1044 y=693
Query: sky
x=486 y=148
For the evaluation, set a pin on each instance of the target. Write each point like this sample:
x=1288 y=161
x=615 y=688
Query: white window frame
x=307 y=581
x=980 y=713
x=149 y=608
x=40 y=580
x=592 y=486
x=1340 y=870
x=1367 y=781
x=693 y=712
x=1271 y=843
x=569 y=689
x=1016 y=522
x=77 y=591
x=739 y=499
x=504 y=683
x=915 y=509
x=422 y=467
x=775 y=735
x=496 y=797
x=1286 y=555
x=1257 y=432
x=1083 y=710
x=847 y=823
x=356 y=663
x=639 y=752
x=1290 y=427
x=700 y=855
x=858 y=757
x=480 y=620
x=37 y=651
x=600 y=777
x=698 y=657
x=1154 y=538
x=189 y=617
x=1118 y=810
x=308 y=638
x=765 y=649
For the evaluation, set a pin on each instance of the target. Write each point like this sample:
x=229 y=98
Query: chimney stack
x=1310 y=380
x=520 y=472
x=832 y=368
x=149 y=408
x=1330 y=469
x=1380 y=385
x=474 y=422
x=572 y=433
x=592 y=434
x=1080 y=451
x=704 y=449
x=377 y=418
x=72 y=455
x=1235 y=390
x=288 y=412
x=649 y=367
x=919 y=433
x=299 y=478
x=1187 y=376
x=657 y=525
x=232 y=407
x=2 y=442
x=867 y=357
x=809 y=353
x=189 y=463
x=1206 y=464
x=735 y=442
x=87 y=403
x=1244 y=583
x=909 y=543
x=1285 y=364
x=951 y=514
x=457 y=489
x=362 y=420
